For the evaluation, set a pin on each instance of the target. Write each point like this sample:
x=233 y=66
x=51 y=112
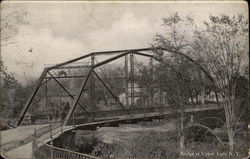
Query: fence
x=51 y=128
x=45 y=151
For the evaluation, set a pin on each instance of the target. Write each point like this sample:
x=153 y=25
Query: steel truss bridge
x=83 y=90
x=88 y=92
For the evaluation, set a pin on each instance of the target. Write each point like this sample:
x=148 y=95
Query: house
x=211 y=97
x=137 y=97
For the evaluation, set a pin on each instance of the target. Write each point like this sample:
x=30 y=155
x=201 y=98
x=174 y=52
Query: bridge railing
x=41 y=119
x=47 y=129
x=45 y=151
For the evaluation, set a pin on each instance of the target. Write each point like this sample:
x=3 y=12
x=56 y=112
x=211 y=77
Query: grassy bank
x=153 y=140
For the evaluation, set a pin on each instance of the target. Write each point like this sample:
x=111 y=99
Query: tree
x=9 y=20
x=8 y=29
x=221 y=48
x=7 y=83
x=7 y=79
x=176 y=80
x=145 y=81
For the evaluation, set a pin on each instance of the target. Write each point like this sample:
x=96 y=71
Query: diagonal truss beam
x=67 y=92
x=84 y=109
x=109 y=90
x=61 y=85
x=119 y=51
x=46 y=81
x=72 y=108
x=27 y=105
x=70 y=61
x=188 y=58
x=143 y=54
x=110 y=59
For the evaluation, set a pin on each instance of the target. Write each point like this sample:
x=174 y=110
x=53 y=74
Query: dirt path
x=18 y=133
x=22 y=152
x=13 y=138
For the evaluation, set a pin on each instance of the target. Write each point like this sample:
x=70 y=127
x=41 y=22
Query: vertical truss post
x=126 y=81
x=60 y=111
x=202 y=89
x=46 y=94
x=132 y=78
x=92 y=89
x=74 y=119
x=152 y=82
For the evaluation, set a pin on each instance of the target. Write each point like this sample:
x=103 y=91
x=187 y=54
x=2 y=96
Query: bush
x=87 y=143
x=145 y=145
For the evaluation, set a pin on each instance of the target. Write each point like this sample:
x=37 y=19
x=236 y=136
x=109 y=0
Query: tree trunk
x=202 y=89
x=231 y=139
x=197 y=97
x=182 y=142
x=182 y=138
x=230 y=131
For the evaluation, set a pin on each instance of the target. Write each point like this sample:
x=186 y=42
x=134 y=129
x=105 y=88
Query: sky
x=60 y=31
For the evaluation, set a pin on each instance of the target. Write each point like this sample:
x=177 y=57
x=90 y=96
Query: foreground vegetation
x=153 y=140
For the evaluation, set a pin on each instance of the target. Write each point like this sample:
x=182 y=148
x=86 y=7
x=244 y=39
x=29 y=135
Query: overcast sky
x=62 y=31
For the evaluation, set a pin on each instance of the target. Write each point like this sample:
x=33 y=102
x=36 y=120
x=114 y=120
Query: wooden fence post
x=34 y=143
x=51 y=150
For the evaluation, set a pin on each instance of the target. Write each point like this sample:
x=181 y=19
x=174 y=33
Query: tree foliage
x=11 y=91
x=222 y=49
x=9 y=20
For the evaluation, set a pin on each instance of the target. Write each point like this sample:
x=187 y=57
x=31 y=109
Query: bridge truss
x=73 y=88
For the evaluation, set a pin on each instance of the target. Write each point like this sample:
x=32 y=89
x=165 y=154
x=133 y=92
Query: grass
x=151 y=140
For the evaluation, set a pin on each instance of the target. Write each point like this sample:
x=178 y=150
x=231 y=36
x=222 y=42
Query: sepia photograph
x=124 y=80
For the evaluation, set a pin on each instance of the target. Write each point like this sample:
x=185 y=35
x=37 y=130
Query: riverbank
x=157 y=139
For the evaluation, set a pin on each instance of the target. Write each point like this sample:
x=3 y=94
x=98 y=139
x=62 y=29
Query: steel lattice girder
x=121 y=54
